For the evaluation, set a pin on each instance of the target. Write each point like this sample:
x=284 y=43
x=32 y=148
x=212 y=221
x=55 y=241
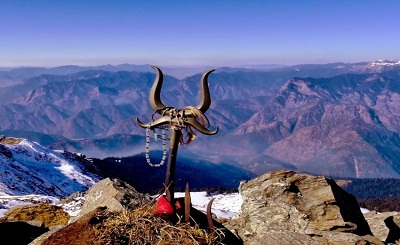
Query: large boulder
x=114 y=194
x=286 y=206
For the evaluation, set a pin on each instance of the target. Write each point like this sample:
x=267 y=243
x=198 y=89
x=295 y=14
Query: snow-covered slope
x=29 y=168
x=31 y=173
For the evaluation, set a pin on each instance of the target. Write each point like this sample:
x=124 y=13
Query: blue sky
x=215 y=33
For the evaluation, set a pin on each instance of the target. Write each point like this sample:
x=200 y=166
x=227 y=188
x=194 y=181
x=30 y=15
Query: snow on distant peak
x=385 y=63
x=35 y=169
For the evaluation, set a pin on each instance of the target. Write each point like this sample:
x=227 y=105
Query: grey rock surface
x=285 y=206
x=114 y=194
x=376 y=222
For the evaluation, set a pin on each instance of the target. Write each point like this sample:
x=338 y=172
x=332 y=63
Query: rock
x=76 y=233
x=45 y=215
x=284 y=237
x=114 y=194
x=377 y=224
x=300 y=207
x=295 y=238
x=39 y=240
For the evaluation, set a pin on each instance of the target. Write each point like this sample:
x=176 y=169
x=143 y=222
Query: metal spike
x=187 y=203
x=209 y=216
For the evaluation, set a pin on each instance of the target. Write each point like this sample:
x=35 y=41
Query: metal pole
x=169 y=176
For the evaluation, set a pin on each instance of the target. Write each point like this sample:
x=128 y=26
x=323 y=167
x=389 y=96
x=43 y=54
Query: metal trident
x=177 y=119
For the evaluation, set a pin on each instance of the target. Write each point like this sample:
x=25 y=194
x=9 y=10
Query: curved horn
x=195 y=124
x=205 y=98
x=154 y=97
x=160 y=121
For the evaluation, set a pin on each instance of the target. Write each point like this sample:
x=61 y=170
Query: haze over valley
x=336 y=119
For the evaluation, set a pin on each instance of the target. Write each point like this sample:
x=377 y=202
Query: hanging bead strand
x=164 y=147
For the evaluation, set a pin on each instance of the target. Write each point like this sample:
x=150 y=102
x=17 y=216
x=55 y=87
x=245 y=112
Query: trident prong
x=205 y=98
x=154 y=97
x=155 y=91
x=187 y=115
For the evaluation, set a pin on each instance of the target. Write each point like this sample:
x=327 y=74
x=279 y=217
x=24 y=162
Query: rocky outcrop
x=108 y=195
x=286 y=206
x=279 y=208
x=113 y=194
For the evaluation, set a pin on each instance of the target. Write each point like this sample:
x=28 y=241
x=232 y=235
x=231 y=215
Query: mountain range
x=332 y=119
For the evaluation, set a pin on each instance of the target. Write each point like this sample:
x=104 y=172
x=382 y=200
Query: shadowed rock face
x=286 y=204
x=393 y=223
x=19 y=232
x=22 y=224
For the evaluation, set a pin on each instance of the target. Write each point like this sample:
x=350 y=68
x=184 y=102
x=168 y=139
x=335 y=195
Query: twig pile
x=141 y=226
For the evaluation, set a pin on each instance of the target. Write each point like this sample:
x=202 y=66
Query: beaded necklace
x=164 y=147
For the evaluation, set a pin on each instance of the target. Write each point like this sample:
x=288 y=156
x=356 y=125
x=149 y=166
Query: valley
x=332 y=119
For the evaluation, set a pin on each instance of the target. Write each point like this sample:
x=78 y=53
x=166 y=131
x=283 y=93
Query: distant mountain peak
x=385 y=63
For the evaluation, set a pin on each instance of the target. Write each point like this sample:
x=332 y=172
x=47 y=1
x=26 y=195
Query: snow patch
x=224 y=205
x=7 y=202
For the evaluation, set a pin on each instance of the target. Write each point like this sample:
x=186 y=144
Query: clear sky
x=201 y=32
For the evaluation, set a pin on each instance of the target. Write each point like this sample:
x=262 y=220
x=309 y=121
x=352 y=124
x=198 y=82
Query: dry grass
x=50 y=215
x=141 y=226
